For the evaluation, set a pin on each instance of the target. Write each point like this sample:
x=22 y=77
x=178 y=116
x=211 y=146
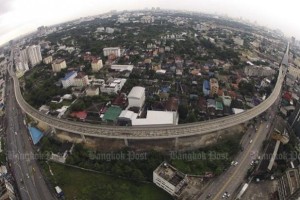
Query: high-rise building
x=48 y=60
x=21 y=66
x=112 y=50
x=34 y=54
x=68 y=80
x=81 y=80
x=96 y=65
x=58 y=64
x=24 y=55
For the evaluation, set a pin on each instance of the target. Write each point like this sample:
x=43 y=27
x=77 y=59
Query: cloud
x=5 y=7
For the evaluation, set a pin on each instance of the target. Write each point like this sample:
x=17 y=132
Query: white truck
x=244 y=188
x=59 y=192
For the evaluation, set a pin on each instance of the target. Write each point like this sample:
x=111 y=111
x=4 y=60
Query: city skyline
x=20 y=17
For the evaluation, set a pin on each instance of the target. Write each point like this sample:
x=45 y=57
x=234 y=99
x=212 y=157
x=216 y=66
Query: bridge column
x=126 y=142
x=83 y=138
x=53 y=130
x=176 y=143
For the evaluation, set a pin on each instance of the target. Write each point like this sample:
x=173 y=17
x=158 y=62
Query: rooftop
x=112 y=113
x=136 y=92
x=69 y=74
x=58 y=61
x=170 y=173
x=128 y=114
x=95 y=60
x=111 y=48
x=157 y=118
x=36 y=134
x=80 y=75
x=80 y=115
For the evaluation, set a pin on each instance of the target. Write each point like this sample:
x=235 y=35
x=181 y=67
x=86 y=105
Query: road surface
x=20 y=153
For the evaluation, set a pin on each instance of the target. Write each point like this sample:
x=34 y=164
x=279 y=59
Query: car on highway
x=250 y=141
x=226 y=195
x=16 y=133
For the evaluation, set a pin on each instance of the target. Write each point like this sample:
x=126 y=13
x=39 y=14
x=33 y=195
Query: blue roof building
x=69 y=74
x=68 y=80
x=206 y=87
x=36 y=134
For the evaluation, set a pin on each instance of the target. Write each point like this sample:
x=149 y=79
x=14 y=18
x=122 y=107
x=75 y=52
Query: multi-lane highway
x=21 y=157
x=235 y=175
x=150 y=132
x=252 y=141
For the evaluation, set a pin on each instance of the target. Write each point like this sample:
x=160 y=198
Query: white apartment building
x=113 y=87
x=169 y=179
x=112 y=50
x=100 y=29
x=147 y=19
x=96 y=65
x=92 y=91
x=24 y=55
x=136 y=97
x=58 y=65
x=81 y=80
x=47 y=60
x=34 y=54
x=97 y=82
x=21 y=66
x=68 y=80
x=109 y=30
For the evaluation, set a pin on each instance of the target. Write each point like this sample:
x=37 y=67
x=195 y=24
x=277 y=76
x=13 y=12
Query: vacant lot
x=79 y=184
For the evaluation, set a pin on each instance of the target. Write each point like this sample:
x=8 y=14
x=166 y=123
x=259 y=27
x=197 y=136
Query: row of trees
x=216 y=159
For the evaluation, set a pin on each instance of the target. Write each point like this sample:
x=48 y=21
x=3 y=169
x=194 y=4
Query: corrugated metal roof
x=68 y=75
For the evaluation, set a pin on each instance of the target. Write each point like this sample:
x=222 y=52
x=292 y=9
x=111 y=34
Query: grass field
x=82 y=185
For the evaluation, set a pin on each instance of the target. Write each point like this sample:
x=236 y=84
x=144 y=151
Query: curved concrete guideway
x=150 y=132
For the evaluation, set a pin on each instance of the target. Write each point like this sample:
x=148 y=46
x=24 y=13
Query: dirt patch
x=261 y=191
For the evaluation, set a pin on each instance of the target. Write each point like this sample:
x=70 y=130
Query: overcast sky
x=21 y=16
